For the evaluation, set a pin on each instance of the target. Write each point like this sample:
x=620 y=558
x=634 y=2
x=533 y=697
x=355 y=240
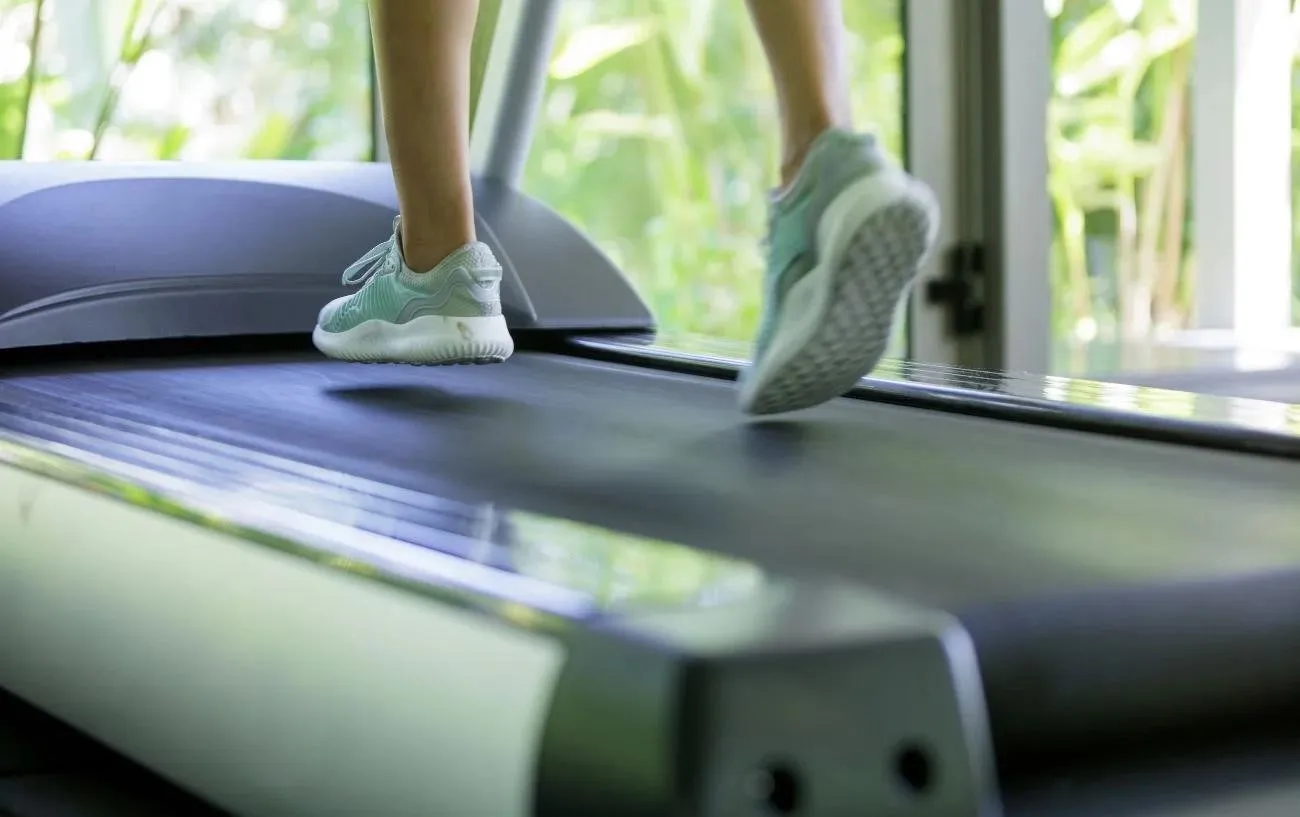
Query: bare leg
x=423 y=49
x=804 y=41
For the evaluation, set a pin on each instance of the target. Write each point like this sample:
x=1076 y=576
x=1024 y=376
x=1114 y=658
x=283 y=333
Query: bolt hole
x=776 y=787
x=915 y=769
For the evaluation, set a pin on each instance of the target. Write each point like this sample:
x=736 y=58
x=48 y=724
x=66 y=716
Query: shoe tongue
x=397 y=237
x=808 y=171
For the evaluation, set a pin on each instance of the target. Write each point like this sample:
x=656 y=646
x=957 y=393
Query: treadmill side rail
x=807 y=699
x=266 y=684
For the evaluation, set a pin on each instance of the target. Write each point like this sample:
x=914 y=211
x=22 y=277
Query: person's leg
x=848 y=230
x=804 y=43
x=431 y=293
x=422 y=55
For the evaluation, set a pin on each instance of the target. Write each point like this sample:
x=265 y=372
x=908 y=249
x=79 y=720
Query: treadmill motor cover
x=98 y=252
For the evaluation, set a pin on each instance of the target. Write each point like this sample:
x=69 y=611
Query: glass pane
x=659 y=139
x=1119 y=136
x=185 y=79
x=1139 y=287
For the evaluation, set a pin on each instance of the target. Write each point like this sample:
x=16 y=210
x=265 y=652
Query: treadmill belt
x=1092 y=572
x=947 y=510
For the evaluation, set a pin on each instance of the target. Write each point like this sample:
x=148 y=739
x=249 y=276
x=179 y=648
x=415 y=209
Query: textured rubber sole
x=836 y=322
x=432 y=340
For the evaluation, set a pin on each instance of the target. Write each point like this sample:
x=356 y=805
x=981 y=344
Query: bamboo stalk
x=1130 y=304
x=129 y=54
x=33 y=73
x=1160 y=198
x=1167 y=308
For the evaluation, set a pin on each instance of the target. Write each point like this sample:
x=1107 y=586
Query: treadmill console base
x=101 y=252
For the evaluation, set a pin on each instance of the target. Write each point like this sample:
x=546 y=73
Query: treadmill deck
x=1059 y=550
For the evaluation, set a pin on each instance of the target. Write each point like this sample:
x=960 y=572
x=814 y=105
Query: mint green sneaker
x=845 y=243
x=450 y=314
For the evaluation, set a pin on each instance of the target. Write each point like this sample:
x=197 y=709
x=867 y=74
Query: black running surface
x=949 y=510
x=1093 y=572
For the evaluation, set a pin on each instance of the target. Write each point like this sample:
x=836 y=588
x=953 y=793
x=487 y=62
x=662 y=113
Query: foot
x=846 y=241
x=450 y=314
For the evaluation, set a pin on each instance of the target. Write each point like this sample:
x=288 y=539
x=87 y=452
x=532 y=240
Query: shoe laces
x=380 y=259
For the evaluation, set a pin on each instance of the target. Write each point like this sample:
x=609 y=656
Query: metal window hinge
x=961 y=289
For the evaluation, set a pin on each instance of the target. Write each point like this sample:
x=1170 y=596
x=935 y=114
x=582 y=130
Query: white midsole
x=430 y=337
x=855 y=205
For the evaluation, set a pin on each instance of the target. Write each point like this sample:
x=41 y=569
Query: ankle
x=801 y=130
x=424 y=249
x=791 y=165
x=799 y=149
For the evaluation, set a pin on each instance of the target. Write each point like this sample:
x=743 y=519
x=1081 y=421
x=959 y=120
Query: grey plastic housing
x=101 y=252
x=808 y=699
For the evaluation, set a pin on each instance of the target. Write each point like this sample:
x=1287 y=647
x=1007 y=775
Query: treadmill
x=579 y=582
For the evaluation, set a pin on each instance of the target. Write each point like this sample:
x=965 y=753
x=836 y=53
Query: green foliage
x=1118 y=132
x=658 y=136
x=12 y=105
x=186 y=79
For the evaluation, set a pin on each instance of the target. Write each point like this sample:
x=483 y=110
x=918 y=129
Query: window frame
x=937 y=141
x=1007 y=58
x=1243 y=65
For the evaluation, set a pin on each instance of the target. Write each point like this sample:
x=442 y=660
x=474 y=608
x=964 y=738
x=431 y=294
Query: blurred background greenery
x=658 y=135
x=184 y=79
x=1118 y=136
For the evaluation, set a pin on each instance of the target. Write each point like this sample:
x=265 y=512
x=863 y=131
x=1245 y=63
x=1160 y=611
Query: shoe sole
x=431 y=340
x=836 y=322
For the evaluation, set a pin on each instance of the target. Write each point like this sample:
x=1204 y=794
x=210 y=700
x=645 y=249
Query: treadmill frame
x=588 y=710
x=1236 y=424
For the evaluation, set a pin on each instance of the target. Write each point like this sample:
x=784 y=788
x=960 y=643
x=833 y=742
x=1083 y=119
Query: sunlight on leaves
x=590 y=46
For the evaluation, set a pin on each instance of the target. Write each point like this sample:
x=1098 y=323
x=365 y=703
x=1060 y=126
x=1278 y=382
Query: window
x=658 y=137
x=1172 y=136
x=185 y=79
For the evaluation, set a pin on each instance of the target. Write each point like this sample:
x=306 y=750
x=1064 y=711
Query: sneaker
x=845 y=243
x=448 y=315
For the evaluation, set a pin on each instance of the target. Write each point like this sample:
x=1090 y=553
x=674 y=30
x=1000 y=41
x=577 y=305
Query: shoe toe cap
x=329 y=312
